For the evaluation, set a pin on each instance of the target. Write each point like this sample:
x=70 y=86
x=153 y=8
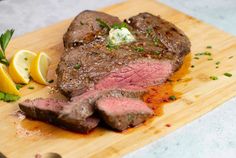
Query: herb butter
x=120 y=36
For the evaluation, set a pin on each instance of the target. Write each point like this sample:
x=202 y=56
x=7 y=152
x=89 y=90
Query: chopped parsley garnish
x=30 y=87
x=111 y=46
x=130 y=117
x=210 y=59
x=19 y=86
x=231 y=57
x=198 y=54
x=8 y=97
x=26 y=69
x=51 y=81
x=196 y=58
x=81 y=23
x=119 y=26
x=25 y=59
x=157 y=52
x=217 y=67
x=103 y=24
x=228 y=74
x=213 y=77
x=203 y=53
x=218 y=63
x=139 y=49
x=77 y=66
x=172 y=97
x=156 y=41
x=207 y=53
x=124 y=39
x=148 y=31
x=208 y=47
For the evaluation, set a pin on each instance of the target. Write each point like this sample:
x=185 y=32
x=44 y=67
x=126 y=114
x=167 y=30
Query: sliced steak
x=164 y=47
x=122 y=113
x=82 y=107
x=49 y=110
x=76 y=115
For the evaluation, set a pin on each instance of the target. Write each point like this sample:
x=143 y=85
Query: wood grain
x=24 y=138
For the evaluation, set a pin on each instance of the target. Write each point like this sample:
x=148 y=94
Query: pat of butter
x=120 y=36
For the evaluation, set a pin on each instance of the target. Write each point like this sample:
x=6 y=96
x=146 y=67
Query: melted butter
x=157 y=96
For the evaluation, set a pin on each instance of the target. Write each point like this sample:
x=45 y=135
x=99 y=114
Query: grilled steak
x=122 y=113
x=98 y=77
x=164 y=47
x=75 y=115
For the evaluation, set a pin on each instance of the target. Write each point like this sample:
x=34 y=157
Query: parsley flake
x=30 y=87
x=213 y=77
x=209 y=47
x=77 y=66
x=218 y=63
x=51 y=81
x=172 y=97
x=139 y=49
x=228 y=74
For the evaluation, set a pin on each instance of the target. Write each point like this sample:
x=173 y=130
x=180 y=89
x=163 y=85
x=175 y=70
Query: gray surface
x=220 y=13
x=213 y=135
x=29 y=15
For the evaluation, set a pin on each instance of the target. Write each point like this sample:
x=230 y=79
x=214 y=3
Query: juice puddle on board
x=157 y=96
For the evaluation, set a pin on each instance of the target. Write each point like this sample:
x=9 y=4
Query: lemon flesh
x=6 y=83
x=19 y=67
x=39 y=68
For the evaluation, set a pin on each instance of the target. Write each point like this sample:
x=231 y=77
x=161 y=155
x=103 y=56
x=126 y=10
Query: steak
x=122 y=113
x=98 y=78
x=164 y=47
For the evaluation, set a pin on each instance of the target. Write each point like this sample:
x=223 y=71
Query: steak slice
x=164 y=47
x=122 y=113
x=49 y=110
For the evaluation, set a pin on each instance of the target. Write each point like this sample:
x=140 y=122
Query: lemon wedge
x=7 y=85
x=39 y=68
x=20 y=66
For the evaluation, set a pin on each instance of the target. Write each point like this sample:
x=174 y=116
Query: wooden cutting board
x=24 y=138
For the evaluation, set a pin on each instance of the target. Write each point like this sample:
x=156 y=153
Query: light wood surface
x=24 y=138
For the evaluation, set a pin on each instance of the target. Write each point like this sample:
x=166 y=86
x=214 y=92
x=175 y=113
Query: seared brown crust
x=84 y=28
x=97 y=62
